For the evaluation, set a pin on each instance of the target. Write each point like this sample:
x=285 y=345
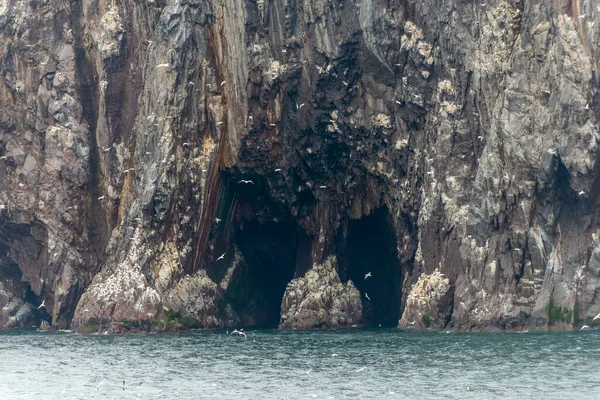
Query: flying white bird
x=334 y=355
x=163 y=66
x=217 y=220
x=186 y=144
x=222 y=83
x=222 y=256
x=360 y=369
x=278 y=169
x=582 y=16
x=107 y=149
x=246 y=181
x=480 y=138
x=101 y=197
x=581 y=193
x=191 y=83
x=587 y=106
x=219 y=123
x=322 y=187
x=367 y=296
x=552 y=151
x=309 y=371
x=368 y=275
x=596 y=317
x=239 y=333
x=43 y=304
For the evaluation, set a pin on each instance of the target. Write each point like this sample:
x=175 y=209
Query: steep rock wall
x=144 y=143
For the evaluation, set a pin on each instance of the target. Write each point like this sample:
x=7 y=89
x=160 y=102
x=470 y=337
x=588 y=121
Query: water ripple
x=368 y=364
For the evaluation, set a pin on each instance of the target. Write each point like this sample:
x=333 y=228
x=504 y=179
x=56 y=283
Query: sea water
x=271 y=364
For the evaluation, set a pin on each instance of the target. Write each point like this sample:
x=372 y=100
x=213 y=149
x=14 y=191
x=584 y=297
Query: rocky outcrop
x=321 y=300
x=428 y=303
x=145 y=145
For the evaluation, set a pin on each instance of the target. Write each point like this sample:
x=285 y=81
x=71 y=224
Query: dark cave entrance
x=274 y=250
x=370 y=246
x=269 y=251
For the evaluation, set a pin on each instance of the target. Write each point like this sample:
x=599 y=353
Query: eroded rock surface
x=321 y=300
x=144 y=144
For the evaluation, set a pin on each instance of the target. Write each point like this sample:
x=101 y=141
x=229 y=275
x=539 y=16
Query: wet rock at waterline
x=173 y=164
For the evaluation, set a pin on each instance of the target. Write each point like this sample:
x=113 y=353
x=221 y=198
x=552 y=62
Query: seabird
x=101 y=197
x=208 y=85
x=309 y=371
x=107 y=149
x=246 y=181
x=587 y=106
x=43 y=304
x=3 y=158
x=222 y=83
x=596 y=317
x=360 y=369
x=480 y=138
x=581 y=193
x=430 y=173
x=398 y=102
x=367 y=296
x=273 y=124
x=186 y=144
x=585 y=327
x=239 y=333
x=301 y=105
x=222 y=256
x=191 y=83
x=163 y=66
x=322 y=187
x=278 y=169
x=582 y=16
x=368 y=275
x=552 y=151
x=334 y=355
x=219 y=123
x=217 y=220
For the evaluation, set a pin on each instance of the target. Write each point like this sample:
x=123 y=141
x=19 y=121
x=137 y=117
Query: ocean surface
x=270 y=364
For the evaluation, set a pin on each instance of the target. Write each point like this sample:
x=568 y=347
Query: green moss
x=91 y=324
x=172 y=318
x=556 y=313
x=524 y=316
x=426 y=319
x=189 y=322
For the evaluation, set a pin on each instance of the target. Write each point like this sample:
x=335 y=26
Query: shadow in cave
x=370 y=246
x=269 y=250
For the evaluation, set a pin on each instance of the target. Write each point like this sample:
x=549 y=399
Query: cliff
x=169 y=164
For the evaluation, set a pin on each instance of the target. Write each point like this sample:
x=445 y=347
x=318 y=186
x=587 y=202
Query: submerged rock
x=320 y=300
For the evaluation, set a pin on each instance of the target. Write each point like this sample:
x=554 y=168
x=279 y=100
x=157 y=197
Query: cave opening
x=272 y=251
x=370 y=247
x=269 y=251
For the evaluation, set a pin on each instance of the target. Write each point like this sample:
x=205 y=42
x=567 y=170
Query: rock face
x=179 y=162
x=320 y=300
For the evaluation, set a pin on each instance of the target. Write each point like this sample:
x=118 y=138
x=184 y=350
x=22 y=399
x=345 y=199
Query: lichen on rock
x=321 y=300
